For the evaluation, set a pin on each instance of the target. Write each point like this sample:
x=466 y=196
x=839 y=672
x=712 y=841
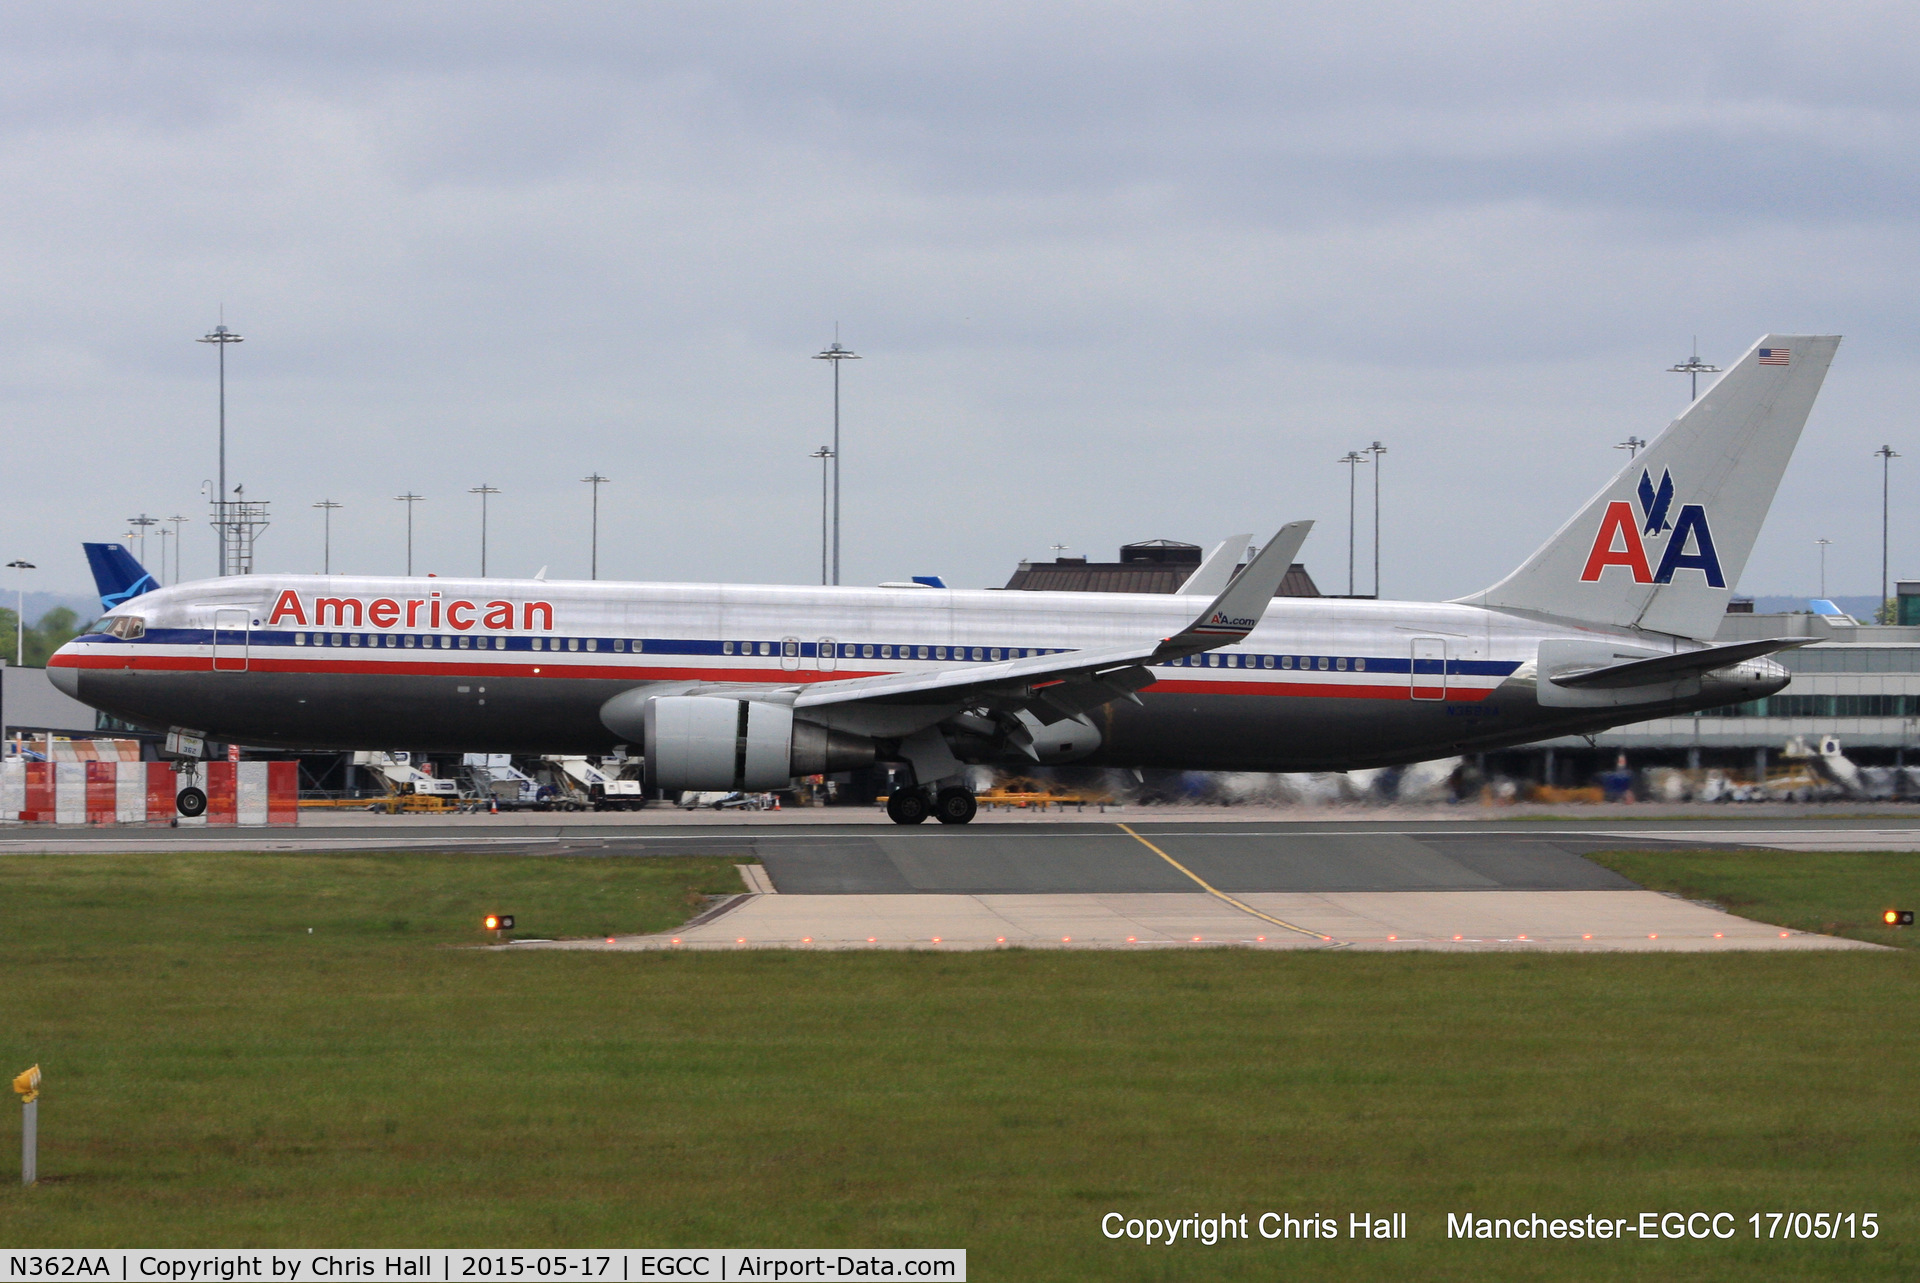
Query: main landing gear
x=953 y=805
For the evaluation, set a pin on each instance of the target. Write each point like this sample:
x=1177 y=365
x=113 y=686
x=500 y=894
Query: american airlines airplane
x=729 y=687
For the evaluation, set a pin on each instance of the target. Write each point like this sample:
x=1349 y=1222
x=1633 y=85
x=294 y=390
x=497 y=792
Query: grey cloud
x=1116 y=270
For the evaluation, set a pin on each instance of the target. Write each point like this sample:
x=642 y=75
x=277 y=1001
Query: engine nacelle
x=707 y=743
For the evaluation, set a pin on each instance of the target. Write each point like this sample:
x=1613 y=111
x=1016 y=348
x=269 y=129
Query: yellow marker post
x=27 y=1084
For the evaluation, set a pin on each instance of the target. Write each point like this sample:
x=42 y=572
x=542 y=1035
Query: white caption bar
x=689 y=1265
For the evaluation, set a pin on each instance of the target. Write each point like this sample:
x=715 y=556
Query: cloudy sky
x=1115 y=271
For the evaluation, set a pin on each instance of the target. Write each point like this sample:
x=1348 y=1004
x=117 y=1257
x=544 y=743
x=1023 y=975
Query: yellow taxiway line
x=1218 y=894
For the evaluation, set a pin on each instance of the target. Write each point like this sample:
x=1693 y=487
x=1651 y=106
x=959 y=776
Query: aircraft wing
x=1074 y=681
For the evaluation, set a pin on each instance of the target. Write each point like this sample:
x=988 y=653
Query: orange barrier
x=105 y=790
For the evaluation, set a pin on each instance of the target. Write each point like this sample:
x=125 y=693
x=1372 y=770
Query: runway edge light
x=498 y=922
x=1898 y=917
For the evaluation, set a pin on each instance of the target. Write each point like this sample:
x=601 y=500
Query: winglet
x=1212 y=576
x=1237 y=611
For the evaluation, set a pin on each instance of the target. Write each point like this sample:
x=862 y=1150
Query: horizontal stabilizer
x=1672 y=668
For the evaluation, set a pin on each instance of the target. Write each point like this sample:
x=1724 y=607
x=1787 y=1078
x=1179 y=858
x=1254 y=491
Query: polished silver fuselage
x=525 y=666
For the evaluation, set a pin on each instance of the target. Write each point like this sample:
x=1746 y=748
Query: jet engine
x=708 y=743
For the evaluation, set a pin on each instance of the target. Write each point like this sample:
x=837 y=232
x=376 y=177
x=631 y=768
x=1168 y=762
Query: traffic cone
x=493 y=806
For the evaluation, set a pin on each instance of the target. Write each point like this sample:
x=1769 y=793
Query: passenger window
x=939 y=652
x=922 y=652
x=409 y=641
x=1341 y=663
x=446 y=642
x=299 y=639
x=726 y=648
x=1323 y=663
x=593 y=643
x=886 y=652
x=994 y=653
x=466 y=642
x=790 y=649
x=1359 y=665
x=353 y=639
x=766 y=648
x=866 y=652
x=1266 y=661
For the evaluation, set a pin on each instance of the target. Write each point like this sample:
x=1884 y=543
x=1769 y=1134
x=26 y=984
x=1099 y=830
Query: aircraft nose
x=65 y=680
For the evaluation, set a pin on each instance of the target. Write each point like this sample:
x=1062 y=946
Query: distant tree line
x=56 y=628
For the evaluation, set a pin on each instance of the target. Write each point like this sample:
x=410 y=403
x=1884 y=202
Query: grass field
x=218 y=1075
x=1839 y=893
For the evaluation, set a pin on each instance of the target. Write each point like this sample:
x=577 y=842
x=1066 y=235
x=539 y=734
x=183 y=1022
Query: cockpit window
x=127 y=627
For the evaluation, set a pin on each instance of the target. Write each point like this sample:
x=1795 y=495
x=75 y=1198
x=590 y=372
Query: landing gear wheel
x=955 y=806
x=190 y=802
x=908 y=806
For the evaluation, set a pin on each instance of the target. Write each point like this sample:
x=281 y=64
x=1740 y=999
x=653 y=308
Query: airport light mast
x=836 y=354
x=326 y=507
x=177 y=521
x=596 y=481
x=823 y=454
x=1823 y=565
x=1693 y=367
x=1633 y=446
x=1886 y=454
x=1376 y=450
x=220 y=337
x=141 y=523
x=410 y=498
x=1352 y=459
x=483 y=491
x=19 y=613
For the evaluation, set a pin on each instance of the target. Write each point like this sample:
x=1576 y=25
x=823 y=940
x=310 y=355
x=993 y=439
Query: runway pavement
x=1461 y=879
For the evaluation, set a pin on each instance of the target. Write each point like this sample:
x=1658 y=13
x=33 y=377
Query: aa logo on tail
x=1622 y=540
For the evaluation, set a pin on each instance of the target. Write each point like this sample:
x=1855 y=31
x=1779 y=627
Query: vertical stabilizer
x=1663 y=545
x=116 y=574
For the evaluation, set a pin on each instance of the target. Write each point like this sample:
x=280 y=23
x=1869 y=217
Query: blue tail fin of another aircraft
x=116 y=574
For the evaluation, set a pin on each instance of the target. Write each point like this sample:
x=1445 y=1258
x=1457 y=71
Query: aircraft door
x=230 y=636
x=828 y=653
x=790 y=653
x=1429 y=668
